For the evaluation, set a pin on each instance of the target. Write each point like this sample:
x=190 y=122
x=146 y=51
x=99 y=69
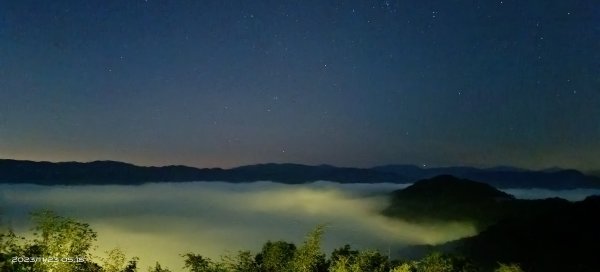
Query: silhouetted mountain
x=97 y=172
x=503 y=177
x=564 y=237
x=447 y=198
x=505 y=168
x=418 y=173
x=552 y=169
x=541 y=235
x=451 y=188
x=564 y=179
x=298 y=173
x=110 y=172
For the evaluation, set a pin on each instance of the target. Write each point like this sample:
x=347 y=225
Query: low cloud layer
x=157 y=222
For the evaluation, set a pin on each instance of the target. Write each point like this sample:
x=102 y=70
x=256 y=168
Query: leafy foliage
x=275 y=256
x=65 y=245
x=244 y=261
x=437 y=262
x=158 y=268
x=309 y=257
x=509 y=268
x=60 y=237
x=198 y=263
x=115 y=260
x=56 y=235
x=10 y=247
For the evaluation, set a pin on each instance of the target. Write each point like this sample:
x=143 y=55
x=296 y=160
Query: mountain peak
x=448 y=186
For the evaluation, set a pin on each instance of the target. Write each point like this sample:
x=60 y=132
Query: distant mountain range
x=112 y=172
x=503 y=177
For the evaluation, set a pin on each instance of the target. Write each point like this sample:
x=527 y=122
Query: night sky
x=349 y=83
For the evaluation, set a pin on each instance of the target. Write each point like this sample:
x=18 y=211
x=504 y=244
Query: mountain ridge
x=115 y=172
x=504 y=177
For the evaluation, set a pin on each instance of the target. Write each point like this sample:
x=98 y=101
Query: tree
x=10 y=247
x=309 y=258
x=341 y=264
x=131 y=265
x=157 y=268
x=115 y=260
x=61 y=238
x=370 y=261
x=242 y=262
x=197 y=263
x=405 y=267
x=508 y=268
x=345 y=259
x=342 y=259
x=344 y=252
x=275 y=256
x=435 y=262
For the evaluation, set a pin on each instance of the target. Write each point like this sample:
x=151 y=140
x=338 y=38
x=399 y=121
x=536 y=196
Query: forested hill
x=447 y=198
x=559 y=236
x=112 y=172
x=541 y=235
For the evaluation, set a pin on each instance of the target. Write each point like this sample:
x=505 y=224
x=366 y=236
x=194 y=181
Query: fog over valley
x=158 y=222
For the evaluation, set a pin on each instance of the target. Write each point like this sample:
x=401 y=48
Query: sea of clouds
x=158 y=222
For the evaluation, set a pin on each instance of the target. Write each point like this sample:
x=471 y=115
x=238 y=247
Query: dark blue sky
x=354 y=83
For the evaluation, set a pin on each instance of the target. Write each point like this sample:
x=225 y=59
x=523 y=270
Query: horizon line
x=420 y=166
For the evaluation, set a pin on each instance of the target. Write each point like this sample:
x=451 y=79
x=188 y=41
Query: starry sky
x=349 y=83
